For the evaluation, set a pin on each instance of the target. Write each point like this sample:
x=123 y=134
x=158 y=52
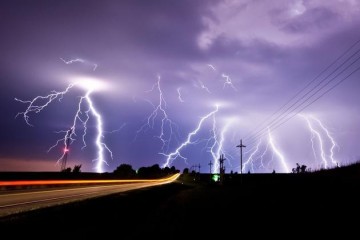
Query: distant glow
x=89 y=83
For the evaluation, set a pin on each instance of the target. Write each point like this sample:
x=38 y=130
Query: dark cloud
x=268 y=59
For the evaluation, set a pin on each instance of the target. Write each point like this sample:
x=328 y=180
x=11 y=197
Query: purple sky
x=249 y=58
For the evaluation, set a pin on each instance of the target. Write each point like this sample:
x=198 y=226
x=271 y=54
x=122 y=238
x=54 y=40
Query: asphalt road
x=11 y=203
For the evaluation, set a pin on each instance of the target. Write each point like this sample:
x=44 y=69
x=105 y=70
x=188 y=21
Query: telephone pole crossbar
x=241 y=146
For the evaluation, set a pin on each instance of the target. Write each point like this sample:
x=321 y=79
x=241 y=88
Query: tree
x=66 y=170
x=76 y=169
x=125 y=171
x=186 y=171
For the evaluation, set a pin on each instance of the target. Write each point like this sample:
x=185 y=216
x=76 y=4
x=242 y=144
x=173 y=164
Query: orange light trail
x=59 y=182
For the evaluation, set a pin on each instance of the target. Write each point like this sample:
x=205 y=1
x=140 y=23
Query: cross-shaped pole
x=210 y=164
x=241 y=146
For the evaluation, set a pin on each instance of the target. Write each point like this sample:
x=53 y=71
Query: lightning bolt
x=177 y=153
x=204 y=87
x=277 y=152
x=321 y=140
x=217 y=148
x=179 y=95
x=262 y=156
x=71 y=61
x=32 y=104
x=228 y=81
x=333 y=143
x=212 y=67
x=250 y=159
x=160 y=109
x=40 y=102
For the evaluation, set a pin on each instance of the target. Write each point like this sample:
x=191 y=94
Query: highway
x=15 y=202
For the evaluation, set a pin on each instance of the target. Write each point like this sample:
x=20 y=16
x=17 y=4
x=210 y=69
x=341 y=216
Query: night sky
x=171 y=63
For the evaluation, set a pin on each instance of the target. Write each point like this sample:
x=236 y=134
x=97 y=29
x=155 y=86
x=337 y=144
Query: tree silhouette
x=66 y=170
x=77 y=169
x=125 y=171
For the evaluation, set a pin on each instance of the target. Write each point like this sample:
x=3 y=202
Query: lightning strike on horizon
x=333 y=143
x=217 y=147
x=177 y=153
x=277 y=152
x=228 y=81
x=71 y=134
x=179 y=95
x=165 y=120
x=262 y=155
x=321 y=143
x=313 y=144
x=250 y=159
x=321 y=140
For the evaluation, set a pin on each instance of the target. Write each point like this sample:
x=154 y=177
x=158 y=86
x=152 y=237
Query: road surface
x=11 y=203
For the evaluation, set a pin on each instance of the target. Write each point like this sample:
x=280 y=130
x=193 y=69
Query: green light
x=215 y=177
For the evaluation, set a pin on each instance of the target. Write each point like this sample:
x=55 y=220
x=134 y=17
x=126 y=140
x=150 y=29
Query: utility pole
x=210 y=164
x=199 y=167
x=241 y=146
x=222 y=168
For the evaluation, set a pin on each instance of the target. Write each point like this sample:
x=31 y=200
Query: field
x=257 y=204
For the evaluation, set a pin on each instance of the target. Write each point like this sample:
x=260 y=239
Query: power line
x=281 y=116
x=310 y=103
x=305 y=87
